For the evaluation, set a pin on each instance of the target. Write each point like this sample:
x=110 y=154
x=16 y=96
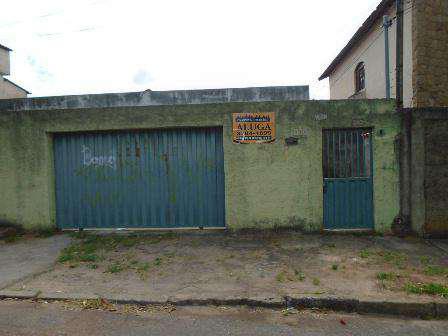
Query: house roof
x=4 y=47
x=359 y=35
x=17 y=86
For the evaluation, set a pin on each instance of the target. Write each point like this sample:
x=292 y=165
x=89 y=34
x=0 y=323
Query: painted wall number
x=320 y=116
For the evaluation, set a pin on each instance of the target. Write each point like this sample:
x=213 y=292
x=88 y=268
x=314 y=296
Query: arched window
x=360 y=77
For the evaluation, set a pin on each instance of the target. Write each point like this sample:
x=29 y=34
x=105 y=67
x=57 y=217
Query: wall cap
x=158 y=98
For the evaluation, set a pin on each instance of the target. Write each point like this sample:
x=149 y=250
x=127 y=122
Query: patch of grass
x=125 y=240
x=299 y=275
x=78 y=234
x=45 y=232
x=316 y=282
x=194 y=243
x=281 y=277
x=364 y=254
x=425 y=260
x=129 y=242
x=12 y=238
x=397 y=258
x=434 y=270
x=170 y=255
x=142 y=270
x=113 y=241
x=86 y=246
x=276 y=243
x=90 y=248
x=168 y=235
x=299 y=249
x=290 y=276
x=78 y=253
x=65 y=256
x=427 y=288
x=387 y=276
x=114 y=268
x=334 y=267
x=143 y=267
x=88 y=257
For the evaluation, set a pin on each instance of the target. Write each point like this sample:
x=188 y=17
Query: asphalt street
x=45 y=319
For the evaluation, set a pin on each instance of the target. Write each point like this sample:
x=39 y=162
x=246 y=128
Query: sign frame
x=253 y=127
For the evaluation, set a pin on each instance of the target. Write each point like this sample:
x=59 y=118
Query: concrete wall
x=430 y=171
x=430 y=39
x=157 y=98
x=430 y=119
x=267 y=185
x=4 y=62
x=436 y=176
x=371 y=51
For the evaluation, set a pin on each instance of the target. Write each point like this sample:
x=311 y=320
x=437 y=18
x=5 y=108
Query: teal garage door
x=348 y=180
x=149 y=179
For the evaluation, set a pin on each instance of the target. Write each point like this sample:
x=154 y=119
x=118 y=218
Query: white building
x=359 y=70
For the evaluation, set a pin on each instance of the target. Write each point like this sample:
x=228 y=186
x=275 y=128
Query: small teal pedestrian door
x=140 y=179
x=348 y=181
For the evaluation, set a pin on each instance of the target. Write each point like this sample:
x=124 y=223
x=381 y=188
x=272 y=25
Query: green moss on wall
x=267 y=185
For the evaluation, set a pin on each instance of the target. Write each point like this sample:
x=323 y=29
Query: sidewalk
x=28 y=257
x=252 y=268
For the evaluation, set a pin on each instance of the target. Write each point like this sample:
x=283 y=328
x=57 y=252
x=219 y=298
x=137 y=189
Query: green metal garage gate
x=146 y=179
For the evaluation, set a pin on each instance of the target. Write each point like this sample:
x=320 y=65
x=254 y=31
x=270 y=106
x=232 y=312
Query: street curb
x=277 y=304
x=424 y=310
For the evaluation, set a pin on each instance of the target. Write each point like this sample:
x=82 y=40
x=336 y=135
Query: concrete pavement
x=29 y=257
x=26 y=318
x=441 y=244
x=270 y=270
x=263 y=265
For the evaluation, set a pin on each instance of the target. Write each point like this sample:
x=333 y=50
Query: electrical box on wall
x=291 y=141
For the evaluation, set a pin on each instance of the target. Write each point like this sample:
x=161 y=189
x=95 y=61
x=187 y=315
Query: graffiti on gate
x=97 y=161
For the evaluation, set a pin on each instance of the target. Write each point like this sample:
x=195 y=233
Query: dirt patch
x=160 y=267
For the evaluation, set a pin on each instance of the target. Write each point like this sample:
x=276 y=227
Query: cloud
x=41 y=72
x=142 y=77
x=96 y=46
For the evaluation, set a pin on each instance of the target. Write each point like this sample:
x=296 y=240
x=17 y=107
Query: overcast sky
x=95 y=46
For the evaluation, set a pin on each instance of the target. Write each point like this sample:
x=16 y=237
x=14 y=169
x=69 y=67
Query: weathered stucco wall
x=430 y=41
x=267 y=185
x=436 y=176
x=430 y=171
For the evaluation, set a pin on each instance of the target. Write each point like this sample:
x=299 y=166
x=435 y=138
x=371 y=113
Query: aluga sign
x=254 y=127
